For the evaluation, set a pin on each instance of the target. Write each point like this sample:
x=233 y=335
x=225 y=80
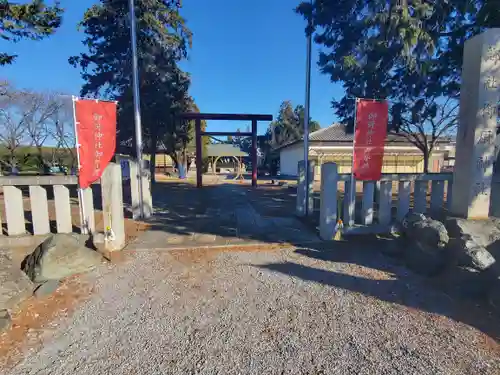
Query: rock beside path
x=4 y=319
x=15 y=286
x=312 y=311
x=60 y=256
x=47 y=288
x=475 y=246
x=425 y=244
x=470 y=254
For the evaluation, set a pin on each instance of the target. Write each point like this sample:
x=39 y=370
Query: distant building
x=333 y=144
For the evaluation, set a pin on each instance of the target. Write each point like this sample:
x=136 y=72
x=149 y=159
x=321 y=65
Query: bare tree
x=428 y=122
x=62 y=132
x=13 y=122
x=39 y=109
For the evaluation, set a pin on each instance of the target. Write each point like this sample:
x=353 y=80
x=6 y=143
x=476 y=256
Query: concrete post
x=14 y=211
x=300 y=207
x=63 y=209
x=328 y=201
x=146 y=192
x=302 y=185
x=39 y=210
x=480 y=93
x=88 y=202
x=134 y=188
x=310 y=206
x=112 y=206
x=135 y=180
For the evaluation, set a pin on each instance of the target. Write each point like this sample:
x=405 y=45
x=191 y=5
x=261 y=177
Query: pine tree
x=396 y=49
x=163 y=41
x=289 y=125
x=407 y=51
x=34 y=20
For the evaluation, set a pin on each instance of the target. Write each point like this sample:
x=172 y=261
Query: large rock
x=425 y=244
x=475 y=246
x=494 y=295
x=470 y=254
x=15 y=286
x=47 y=288
x=410 y=219
x=4 y=319
x=470 y=240
x=60 y=256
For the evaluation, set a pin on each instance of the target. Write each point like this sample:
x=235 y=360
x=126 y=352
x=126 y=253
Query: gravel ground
x=274 y=312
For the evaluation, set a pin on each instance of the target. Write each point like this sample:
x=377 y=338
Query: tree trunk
x=173 y=156
x=181 y=161
x=152 y=164
x=427 y=155
x=12 y=159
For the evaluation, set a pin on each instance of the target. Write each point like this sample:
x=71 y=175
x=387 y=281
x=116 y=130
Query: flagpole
x=83 y=217
x=306 y=112
x=137 y=103
x=352 y=193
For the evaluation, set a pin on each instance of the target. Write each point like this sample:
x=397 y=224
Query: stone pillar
x=475 y=146
x=328 y=201
x=134 y=188
x=302 y=185
x=312 y=168
x=146 y=193
x=112 y=206
x=135 y=180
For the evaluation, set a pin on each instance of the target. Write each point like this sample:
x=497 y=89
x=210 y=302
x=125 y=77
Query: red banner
x=96 y=132
x=369 y=139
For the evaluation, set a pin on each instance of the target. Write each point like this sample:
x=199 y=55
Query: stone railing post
x=146 y=192
x=145 y=182
x=302 y=185
x=112 y=206
x=328 y=201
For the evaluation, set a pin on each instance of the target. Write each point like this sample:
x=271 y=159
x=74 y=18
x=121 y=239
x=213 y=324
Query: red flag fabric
x=369 y=139
x=96 y=132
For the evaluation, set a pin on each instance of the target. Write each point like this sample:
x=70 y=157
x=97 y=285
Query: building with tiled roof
x=333 y=143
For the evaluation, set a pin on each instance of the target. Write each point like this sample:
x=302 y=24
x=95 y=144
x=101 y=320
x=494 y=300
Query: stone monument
x=479 y=97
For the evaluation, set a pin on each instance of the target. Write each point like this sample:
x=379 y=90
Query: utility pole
x=137 y=103
x=306 y=111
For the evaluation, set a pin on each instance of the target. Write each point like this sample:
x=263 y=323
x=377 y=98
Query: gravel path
x=274 y=312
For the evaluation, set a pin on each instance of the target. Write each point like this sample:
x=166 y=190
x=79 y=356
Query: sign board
x=95 y=123
x=369 y=139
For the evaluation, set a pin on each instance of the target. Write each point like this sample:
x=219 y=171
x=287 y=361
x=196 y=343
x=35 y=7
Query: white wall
x=289 y=159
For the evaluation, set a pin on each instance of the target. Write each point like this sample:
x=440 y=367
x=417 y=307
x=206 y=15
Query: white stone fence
x=393 y=191
x=112 y=204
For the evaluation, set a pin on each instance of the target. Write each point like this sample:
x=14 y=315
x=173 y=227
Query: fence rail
x=35 y=191
x=381 y=202
x=14 y=189
x=37 y=180
x=406 y=177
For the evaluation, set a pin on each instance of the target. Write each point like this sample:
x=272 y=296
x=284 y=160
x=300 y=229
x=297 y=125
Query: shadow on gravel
x=232 y=210
x=403 y=287
x=226 y=210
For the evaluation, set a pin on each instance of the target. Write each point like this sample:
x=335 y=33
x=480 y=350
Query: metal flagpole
x=83 y=216
x=137 y=103
x=352 y=198
x=306 y=113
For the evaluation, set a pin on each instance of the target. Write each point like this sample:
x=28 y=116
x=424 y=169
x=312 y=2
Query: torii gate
x=198 y=117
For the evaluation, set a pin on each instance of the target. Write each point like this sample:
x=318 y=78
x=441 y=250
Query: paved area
x=298 y=311
x=222 y=214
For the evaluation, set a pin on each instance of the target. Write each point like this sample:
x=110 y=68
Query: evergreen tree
x=407 y=51
x=162 y=42
x=34 y=20
x=289 y=125
x=403 y=50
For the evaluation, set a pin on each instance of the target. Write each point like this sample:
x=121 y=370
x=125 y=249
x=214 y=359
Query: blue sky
x=247 y=57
